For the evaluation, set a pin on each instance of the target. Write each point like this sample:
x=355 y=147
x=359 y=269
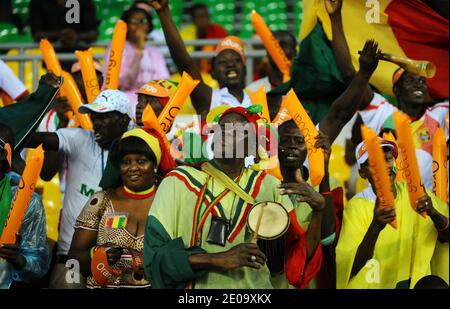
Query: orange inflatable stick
x=75 y=101
x=271 y=44
x=259 y=98
x=377 y=165
x=310 y=133
x=282 y=116
x=151 y=122
x=409 y=166
x=115 y=55
x=23 y=195
x=86 y=60
x=440 y=167
x=184 y=89
x=50 y=59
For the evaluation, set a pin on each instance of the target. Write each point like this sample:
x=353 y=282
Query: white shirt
x=9 y=82
x=86 y=162
x=50 y=124
x=223 y=97
x=380 y=111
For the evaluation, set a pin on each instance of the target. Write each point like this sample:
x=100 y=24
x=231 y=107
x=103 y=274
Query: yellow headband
x=151 y=141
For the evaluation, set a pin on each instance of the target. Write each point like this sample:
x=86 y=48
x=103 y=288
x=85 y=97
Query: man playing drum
x=196 y=234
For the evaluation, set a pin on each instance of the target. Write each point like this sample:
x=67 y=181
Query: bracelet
x=444 y=228
x=327 y=193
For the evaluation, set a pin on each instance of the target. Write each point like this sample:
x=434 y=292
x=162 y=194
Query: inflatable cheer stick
x=377 y=165
x=184 y=89
x=409 y=166
x=310 y=134
x=90 y=80
x=151 y=122
x=440 y=167
x=23 y=195
x=115 y=55
x=75 y=101
x=272 y=46
x=259 y=98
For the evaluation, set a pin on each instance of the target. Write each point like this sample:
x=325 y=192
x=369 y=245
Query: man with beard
x=215 y=249
x=87 y=154
x=370 y=254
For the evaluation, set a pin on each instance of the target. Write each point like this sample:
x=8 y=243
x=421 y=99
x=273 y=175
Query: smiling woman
x=110 y=229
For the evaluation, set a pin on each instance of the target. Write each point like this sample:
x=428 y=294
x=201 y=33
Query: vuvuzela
x=420 y=67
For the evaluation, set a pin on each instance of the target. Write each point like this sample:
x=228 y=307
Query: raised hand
x=159 y=4
x=49 y=79
x=369 y=57
x=305 y=192
x=333 y=6
x=382 y=216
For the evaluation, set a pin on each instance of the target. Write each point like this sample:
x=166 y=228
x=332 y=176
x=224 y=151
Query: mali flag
x=407 y=28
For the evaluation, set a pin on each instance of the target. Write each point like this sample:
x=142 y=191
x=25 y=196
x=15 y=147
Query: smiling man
x=87 y=153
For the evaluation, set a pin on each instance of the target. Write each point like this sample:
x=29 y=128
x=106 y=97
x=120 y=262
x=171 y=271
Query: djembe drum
x=271 y=235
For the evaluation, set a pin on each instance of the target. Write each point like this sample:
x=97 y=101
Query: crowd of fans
x=154 y=221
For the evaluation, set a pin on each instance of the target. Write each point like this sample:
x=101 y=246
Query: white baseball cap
x=109 y=101
x=362 y=155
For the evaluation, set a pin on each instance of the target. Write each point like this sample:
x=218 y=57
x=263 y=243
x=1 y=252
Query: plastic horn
x=272 y=46
x=86 y=60
x=184 y=89
x=440 y=167
x=377 y=165
x=23 y=195
x=409 y=166
x=420 y=67
x=115 y=55
x=259 y=97
x=75 y=101
x=310 y=133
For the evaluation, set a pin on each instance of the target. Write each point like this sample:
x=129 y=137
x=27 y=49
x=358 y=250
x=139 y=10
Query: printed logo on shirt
x=424 y=134
x=88 y=192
